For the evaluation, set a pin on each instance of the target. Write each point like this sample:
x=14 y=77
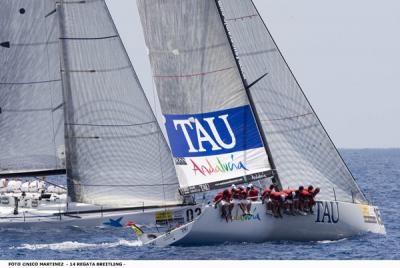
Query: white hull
x=55 y=215
x=331 y=221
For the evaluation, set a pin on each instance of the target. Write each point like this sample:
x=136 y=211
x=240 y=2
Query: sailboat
x=71 y=103
x=234 y=113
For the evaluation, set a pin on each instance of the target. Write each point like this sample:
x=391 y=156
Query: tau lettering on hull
x=327 y=212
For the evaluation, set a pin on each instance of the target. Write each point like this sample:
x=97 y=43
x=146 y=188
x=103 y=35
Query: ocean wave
x=73 y=245
x=331 y=241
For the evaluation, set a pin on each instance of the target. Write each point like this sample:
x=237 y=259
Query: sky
x=345 y=55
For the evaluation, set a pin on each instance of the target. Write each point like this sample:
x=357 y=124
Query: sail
x=31 y=104
x=116 y=153
x=301 y=149
x=210 y=125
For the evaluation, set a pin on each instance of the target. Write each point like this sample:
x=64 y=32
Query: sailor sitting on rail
x=3 y=185
x=223 y=199
x=14 y=186
x=252 y=195
x=265 y=197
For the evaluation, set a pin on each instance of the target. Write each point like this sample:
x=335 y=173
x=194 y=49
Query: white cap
x=233 y=186
x=250 y=185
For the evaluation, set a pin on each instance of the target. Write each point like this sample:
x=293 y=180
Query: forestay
x=210 y=125
x=302 y=150
x=31 y=105
x=117 y=155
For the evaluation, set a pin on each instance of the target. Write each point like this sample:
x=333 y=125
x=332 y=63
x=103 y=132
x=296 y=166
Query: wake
x=71 y=245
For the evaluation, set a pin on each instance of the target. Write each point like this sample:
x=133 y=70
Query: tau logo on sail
x=202 y=135
x=215 y=133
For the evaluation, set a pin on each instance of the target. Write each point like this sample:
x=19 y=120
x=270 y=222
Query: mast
x=247 y=87
x=65 y=86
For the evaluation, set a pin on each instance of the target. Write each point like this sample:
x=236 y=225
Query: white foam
x=71 y=245
x=331 y=241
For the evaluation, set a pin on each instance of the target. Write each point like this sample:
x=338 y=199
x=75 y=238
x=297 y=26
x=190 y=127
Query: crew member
x=289 y=200
x=224 y=198
x=252 y=195
x=265 y=197
x=244 y=202
x=313 y=193
x=278 y=199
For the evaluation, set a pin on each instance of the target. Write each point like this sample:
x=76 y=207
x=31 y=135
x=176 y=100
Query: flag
x=135 y=228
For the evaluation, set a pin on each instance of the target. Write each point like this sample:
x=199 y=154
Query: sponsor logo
x=180 y=161
x=221 y=132
x=203 y=136
x=327 y=212
x=251 y=217
x=114 y=223
x=219 y=167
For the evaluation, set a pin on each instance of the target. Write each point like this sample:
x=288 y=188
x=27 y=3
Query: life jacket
x=253 y=194
x=227 y=197
x=243 y=194
x=277 y=195
x=265 y=192
x=219 y=196
x=305 y=194
x=235 y=193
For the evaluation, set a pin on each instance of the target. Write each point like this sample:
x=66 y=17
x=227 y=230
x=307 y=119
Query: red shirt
x=235 y=193
x=277 y=195
x=253 y=194
x=218 y=197
x=265 y=192
x=228 y=196
x=305 y=194
x=243 y=194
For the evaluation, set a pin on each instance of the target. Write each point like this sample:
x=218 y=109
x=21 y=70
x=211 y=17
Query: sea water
x=378 y=173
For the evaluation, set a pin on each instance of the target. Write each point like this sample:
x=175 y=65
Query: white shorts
x=236 y=201
x=245 y=201
x=223 y=203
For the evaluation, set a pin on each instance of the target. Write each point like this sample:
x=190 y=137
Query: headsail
x=210 y=125
x=302 y=150
x=117 y=155
x=31 y=105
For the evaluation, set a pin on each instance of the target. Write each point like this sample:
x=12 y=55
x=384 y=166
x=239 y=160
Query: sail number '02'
x=327 y=212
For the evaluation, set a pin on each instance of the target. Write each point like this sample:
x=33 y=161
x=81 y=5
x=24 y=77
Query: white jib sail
x=302 y=150
x=117 y=155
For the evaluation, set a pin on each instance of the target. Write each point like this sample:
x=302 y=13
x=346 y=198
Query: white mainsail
x=302 y=150
x=213 y=135
x=31 y=112
x=117 y=155
x=194 y=71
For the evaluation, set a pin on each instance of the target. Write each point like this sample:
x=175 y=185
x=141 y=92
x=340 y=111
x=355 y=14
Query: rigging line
x=242 y=17
x=33 y=44
x=195 y=74
x=257 y=52
x=98 y=70
x=125 y=185
x=104 y=125
x=113 y=137
x=30 y=83
x=90 y=38
x=27 y=110
x=286 y=118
